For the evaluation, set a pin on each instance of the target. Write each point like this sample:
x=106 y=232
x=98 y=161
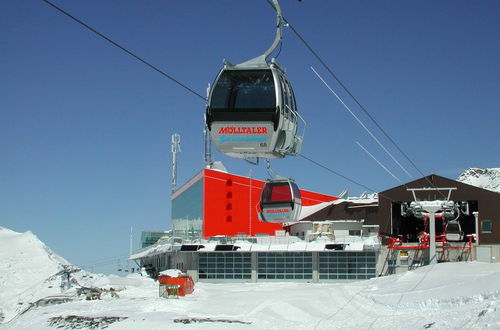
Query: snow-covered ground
x=443 y=296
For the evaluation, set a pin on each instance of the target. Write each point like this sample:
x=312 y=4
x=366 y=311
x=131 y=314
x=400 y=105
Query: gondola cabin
x=280 y=202
x=454 y=231
x=251 y=112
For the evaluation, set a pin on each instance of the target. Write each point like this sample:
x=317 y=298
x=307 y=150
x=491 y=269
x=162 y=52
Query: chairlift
x=280 y=201
x=251 y=110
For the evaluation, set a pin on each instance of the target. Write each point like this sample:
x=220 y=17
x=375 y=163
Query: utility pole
x=175 y=148
x=130 y=245
x=476 y=222
x=250 y=204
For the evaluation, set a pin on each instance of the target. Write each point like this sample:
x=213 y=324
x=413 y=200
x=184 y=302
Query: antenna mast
x=176 y=147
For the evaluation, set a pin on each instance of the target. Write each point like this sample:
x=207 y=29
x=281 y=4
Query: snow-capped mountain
x=25 y=271
x=30 y=272
x=488 y=178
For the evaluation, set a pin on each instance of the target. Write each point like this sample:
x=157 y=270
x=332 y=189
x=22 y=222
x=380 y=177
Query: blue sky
x=85 y=128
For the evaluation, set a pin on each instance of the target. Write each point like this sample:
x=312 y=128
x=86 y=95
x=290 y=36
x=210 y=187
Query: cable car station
x=229 y=227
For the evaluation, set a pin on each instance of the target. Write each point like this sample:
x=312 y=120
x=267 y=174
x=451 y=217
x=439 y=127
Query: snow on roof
x=172 y=273
x=268 y=243
x=159 y=247
x=309 y=210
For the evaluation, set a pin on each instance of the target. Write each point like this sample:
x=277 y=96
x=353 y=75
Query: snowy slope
x=488 y=178
x=25 y=271
x=32 y=275
x=442 y=296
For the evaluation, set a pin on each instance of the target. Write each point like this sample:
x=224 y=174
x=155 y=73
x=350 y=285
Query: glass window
x=284 y=265
x=453 y=227
x=276 y=193
x=296 y=192
x=486 y=226
x=187 y=212
x=224 y=265
x=284 y=98
x=346 y=265
x=244 y=90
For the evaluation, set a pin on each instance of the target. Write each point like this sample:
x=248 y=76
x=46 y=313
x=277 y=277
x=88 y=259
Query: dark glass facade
x=284 y=265
x=347 y=265
x=149 y=238
x=225 y=265
x=187 y=212
x=246 y=266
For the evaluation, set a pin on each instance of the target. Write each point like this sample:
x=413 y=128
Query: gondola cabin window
x=241 y=90
x=281 y=194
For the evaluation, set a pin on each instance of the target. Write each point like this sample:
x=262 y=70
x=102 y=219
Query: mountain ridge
x=485 y=178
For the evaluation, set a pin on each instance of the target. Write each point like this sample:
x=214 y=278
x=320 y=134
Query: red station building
x=216 y=203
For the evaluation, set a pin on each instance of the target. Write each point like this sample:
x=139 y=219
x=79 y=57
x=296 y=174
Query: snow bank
x=440 y=286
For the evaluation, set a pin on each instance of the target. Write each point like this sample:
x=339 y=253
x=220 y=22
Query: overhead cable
x=125 y=50
x=315 y=54
x=323 y=63
x=337 y=173
x=191 y=90
x=381 y=165
x=361 y=123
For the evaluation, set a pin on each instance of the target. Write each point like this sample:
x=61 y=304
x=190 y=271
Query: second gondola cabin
x=252 y=113
x=280 y=201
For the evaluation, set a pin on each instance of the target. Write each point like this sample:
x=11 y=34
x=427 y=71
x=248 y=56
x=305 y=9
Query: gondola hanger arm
x=280 y=22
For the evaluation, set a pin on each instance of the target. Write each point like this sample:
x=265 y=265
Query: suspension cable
x=327 y=67
x=361 y=123
x=178 y=82
x=125 y=50
x=204 y=99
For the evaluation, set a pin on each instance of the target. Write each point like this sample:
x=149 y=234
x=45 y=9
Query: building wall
x=230 y=205
x=345 y=211
x=484 y=201
x=245 y=266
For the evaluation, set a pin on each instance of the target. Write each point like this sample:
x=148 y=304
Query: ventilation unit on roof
x=226 y=247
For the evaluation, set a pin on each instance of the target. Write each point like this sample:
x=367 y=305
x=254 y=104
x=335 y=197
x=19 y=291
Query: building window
x=284 y=265
x=225 y=265
x=486 y=226
x=341 y=265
